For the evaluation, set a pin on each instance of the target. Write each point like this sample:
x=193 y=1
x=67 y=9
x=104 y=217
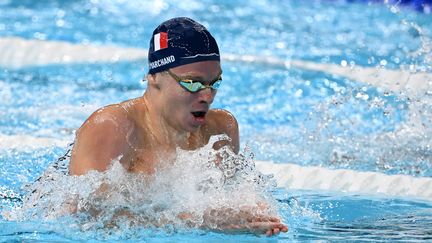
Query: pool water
x=286 y=115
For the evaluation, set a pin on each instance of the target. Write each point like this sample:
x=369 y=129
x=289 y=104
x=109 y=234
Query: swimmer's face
x=184 y=110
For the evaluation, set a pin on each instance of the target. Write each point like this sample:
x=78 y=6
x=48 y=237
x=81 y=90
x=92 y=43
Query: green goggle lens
x=195 y=86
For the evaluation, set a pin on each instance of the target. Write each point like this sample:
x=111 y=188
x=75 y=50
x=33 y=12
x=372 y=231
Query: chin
x=193 y=128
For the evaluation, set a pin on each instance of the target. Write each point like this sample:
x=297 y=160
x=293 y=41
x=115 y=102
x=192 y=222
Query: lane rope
x=18 y=53
x=293 y=176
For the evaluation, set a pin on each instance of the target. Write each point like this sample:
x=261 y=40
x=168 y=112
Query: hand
x=270 y=228
x=247 y=219
x=262 y=223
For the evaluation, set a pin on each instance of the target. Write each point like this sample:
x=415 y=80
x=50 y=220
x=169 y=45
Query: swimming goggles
x=195 y=85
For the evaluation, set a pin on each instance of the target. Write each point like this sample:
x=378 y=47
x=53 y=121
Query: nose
x=207 y=95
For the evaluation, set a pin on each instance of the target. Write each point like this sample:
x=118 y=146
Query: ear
x=153 y=81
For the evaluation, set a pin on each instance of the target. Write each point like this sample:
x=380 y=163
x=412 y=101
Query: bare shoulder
x=100 y=139
x=221 y=119
x=110 y=118
x=223 y=122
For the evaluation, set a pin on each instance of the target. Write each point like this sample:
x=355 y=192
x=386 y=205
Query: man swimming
x=174 y=112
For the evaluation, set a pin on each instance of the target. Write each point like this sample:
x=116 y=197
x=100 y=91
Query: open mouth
x=198 y=114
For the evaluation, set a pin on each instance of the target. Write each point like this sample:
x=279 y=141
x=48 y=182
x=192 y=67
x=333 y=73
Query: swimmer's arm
x=232 y=130
x=100 y=140
x=226 y=123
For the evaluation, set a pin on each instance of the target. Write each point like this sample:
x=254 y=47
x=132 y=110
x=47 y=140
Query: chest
x=146 y=155
x=145 y=160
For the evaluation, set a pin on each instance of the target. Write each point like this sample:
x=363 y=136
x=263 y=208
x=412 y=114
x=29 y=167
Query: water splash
x=201 y=188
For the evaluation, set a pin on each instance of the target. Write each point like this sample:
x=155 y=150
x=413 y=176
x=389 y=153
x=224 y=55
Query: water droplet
x=344 y=63
x=394 y=9
x=94 y=11
x=60 y=23
x=215 y=8
x=280 y=45
x=298 y=93
x=39 y=36
x=61 y=13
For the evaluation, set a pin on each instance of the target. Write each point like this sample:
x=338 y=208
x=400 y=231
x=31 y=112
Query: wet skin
x=144 y=132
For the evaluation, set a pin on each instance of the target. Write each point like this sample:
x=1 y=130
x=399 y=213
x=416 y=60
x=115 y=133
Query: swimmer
x=174 y=112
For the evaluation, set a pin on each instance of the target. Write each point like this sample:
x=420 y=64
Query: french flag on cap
x=160 y=41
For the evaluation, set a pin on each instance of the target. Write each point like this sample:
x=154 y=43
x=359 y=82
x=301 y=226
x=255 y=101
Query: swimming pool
x=288 y=114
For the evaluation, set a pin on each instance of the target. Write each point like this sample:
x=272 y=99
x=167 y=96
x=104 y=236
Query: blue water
x=285 y=115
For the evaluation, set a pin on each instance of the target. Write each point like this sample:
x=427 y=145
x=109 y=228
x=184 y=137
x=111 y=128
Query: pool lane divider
x=19 y=53
x=296 y=177
x=22 y=142
x=288 y=175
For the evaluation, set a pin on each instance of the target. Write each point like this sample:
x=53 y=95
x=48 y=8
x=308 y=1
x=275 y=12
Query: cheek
x=178 y=100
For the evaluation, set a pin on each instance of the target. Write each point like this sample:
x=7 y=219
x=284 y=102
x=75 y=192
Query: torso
x=144 y=152
x=147 y=158
x=122 y=130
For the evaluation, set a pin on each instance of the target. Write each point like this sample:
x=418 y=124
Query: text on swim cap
x=162 y=62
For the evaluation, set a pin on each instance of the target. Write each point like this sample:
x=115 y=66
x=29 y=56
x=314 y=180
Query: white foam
x=18 y=52
x=189 y=182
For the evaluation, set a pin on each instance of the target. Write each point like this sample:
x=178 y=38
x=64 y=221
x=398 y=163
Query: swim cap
x=180 y=41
